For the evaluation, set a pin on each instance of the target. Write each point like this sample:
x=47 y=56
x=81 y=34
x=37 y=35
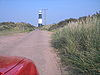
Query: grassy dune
x=11 y=27
x=78 y=45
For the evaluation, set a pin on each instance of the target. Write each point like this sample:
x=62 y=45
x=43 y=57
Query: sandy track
x=35 y=46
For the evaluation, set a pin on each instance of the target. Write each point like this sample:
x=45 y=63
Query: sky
x=57 y=10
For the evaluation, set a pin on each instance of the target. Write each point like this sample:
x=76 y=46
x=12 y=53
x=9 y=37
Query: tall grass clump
x=78 y=45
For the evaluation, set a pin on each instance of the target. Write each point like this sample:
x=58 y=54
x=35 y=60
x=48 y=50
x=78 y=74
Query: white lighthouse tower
x=40 y=19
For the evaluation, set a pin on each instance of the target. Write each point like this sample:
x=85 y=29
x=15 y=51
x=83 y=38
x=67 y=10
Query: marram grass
x=78 y=45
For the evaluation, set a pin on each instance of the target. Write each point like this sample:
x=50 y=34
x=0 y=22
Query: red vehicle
x=17 y=66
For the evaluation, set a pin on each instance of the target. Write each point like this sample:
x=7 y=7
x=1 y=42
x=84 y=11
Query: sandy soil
x=35 y=46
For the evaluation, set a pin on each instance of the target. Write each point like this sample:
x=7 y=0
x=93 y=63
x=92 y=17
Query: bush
x=78 y=45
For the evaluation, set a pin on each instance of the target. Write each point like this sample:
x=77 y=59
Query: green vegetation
x=11 y=27
x=61 y=24
x=45 y=27
x=54 y=27
x=78 y=45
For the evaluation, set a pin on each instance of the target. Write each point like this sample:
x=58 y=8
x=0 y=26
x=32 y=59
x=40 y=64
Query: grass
x=78 y=45
x=7 y=28
x=7 y=32
x=45 y=27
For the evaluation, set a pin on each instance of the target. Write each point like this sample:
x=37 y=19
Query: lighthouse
x=40 y=18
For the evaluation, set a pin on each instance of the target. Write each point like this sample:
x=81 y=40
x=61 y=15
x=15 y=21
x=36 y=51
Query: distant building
x=40 y=18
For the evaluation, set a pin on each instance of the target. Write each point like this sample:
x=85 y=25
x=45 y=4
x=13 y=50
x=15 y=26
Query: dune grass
x=7 y=28
x=78 y=45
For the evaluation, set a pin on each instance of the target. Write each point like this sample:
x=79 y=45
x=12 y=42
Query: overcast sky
x=27 y=10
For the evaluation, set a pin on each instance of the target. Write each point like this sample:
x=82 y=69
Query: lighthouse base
x=39 y=25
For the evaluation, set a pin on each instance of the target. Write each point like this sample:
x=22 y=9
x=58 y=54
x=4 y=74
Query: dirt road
x=35 y=46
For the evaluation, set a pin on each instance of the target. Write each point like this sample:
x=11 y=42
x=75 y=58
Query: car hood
x=8 y=63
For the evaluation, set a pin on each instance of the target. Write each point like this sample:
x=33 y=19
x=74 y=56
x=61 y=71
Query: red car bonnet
x=17 y=66
x=8 y=63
